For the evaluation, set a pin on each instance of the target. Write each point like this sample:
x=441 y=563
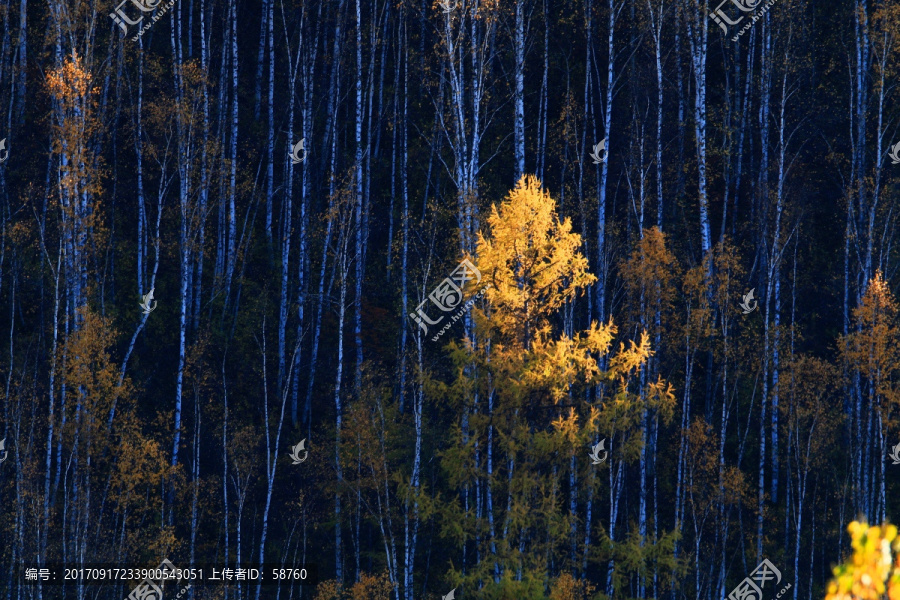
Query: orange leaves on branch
x=369 y=587
x=91 y=374
x=627 y=361
x=702 y=473
x=558 y=364
x=566 y=587
x=650 y=272
x=872 y=571
x=70 y=86
x=75 y=126
x=873 y=349
x=70 y=83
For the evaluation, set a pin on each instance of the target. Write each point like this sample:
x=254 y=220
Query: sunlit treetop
x=531 y=259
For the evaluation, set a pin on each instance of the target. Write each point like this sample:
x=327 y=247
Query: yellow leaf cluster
x=557 y=364
x=871 y=571
x=369 y=587
x=873 y=348
x=566 y=587
x=531 y=260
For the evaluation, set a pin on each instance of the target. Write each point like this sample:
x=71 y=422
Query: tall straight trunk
x=270 y=134
x=722 y=520
x=489 y=484
x=308 y=69
x=373 y=132
x=412 y=531
x=467 y=38
x=195 y=479
x=284 y=300
x=856 y=280
x=767 y=261
x=682 y=110
x=332 y=136
x=286 y=231
x=778 y=250
x=742 y=126
x=226 y=509
x=589 y=125
x=139 y=171
x=204 y=174
x=272 y=454
x=360 y=230
x=21 y=69
x=222 y=236
x=656 y=23
x=615 y=490
x=600 y=299
x=395 y=126
x=404 y=191
x=260 y=58
x=542 y=112
x=185 y=263
x=698 y=30
x=519 y=96
x=231 y=256
x=338 y=418
x=51 y=417
x=680 y=484
x=863 y=65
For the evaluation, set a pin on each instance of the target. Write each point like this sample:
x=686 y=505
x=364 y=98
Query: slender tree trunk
x=519 y=96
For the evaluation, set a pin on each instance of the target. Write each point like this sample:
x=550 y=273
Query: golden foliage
x=566 y=587
x=70 y=86
x=872 y=570
x=74 y=129
x=90 y=374
x=536 y=389
x=650 y=272
x=369 y=587
x=813 y=408
x=873 y=349
x=532 y=261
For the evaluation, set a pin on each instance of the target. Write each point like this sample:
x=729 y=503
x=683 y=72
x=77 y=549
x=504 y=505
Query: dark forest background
x=162 y=163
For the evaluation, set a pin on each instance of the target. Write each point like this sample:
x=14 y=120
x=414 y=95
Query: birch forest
x=450 y=299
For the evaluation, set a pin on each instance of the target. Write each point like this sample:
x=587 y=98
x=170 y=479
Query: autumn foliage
x=873 y=570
